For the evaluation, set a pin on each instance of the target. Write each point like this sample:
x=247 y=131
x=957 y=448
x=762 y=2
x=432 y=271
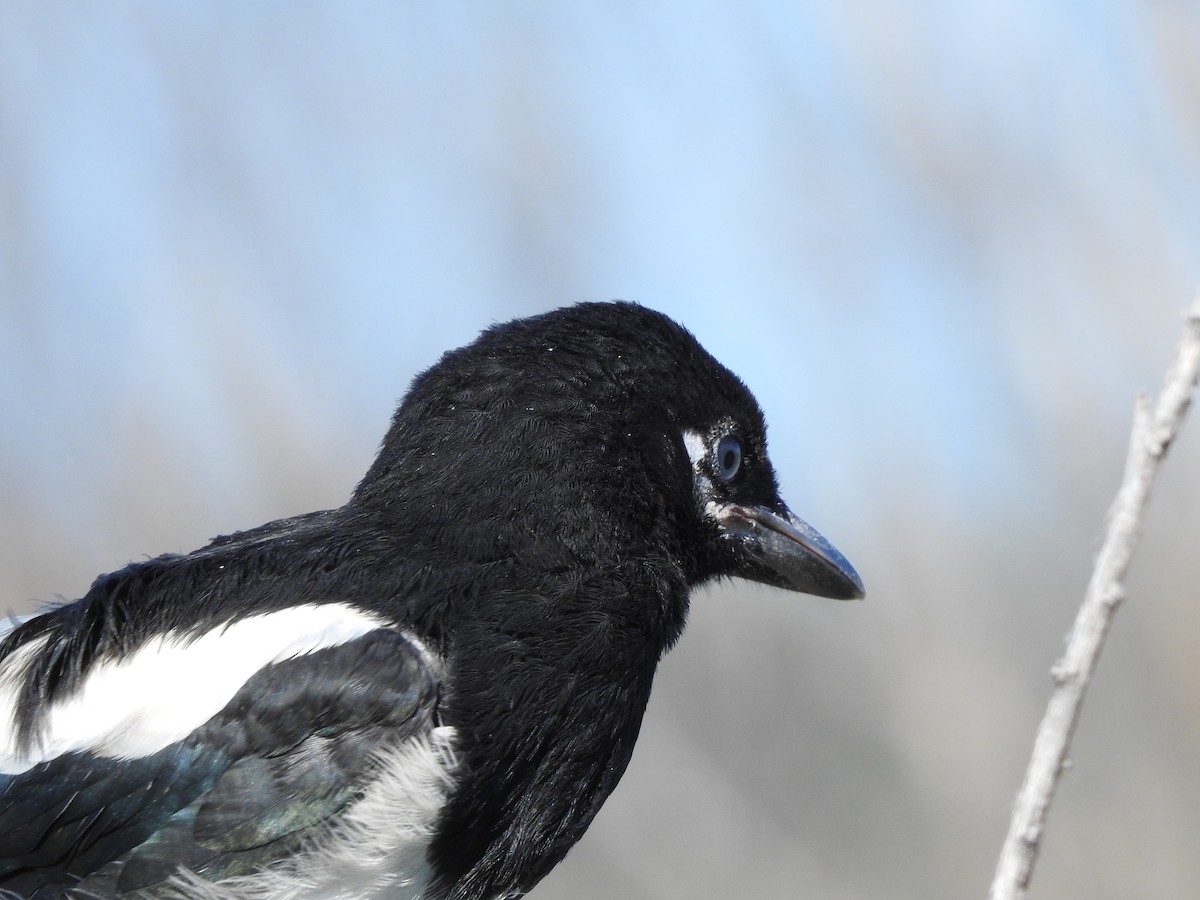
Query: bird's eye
x=729 y=457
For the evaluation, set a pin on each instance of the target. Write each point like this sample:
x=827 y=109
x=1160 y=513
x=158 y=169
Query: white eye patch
x=696 y=446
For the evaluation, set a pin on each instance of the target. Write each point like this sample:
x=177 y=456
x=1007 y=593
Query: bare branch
x=1152 y=433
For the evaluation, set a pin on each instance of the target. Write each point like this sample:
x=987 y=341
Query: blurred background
x=946 y=243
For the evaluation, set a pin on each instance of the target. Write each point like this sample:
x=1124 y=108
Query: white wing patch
x=170 y=686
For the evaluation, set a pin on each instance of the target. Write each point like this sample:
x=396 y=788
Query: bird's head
x=600 y=430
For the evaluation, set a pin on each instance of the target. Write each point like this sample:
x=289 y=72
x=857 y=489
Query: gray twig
x=1152 y=433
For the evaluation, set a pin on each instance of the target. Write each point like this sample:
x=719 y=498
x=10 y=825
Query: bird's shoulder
x=321 y=559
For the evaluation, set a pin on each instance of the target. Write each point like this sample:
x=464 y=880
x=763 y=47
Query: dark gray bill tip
x=797 y=554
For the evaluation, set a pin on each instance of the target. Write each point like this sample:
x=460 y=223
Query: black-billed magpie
x=430 y=691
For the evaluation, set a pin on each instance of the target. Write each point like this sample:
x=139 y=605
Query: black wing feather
x=286 y=754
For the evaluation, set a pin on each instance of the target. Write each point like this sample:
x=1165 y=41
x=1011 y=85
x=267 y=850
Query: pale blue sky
x=856 y=206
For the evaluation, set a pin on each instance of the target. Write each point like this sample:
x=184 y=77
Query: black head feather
x=561 y=433
x=551 y=454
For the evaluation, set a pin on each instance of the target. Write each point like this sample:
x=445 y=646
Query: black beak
x=787 y=552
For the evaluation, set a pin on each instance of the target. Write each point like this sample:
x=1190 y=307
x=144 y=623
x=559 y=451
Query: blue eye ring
x=728 y=457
